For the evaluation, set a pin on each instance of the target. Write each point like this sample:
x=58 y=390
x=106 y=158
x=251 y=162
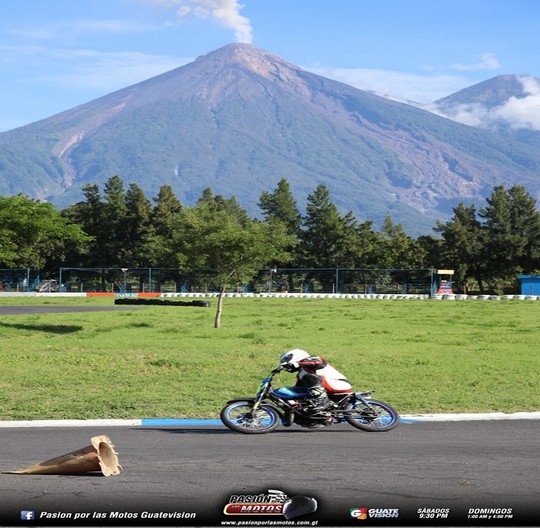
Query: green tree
x=398 y=252
x=220 y=203
x=321 y=241
x=329 y=240
x=511 y=233
x=397 y=249
x=431 y=248
x=90 y=216
x=360 y=243
x=281 y=205
x=105 y=219
x=120 y=224
x=166 y=207
x=461 y=247
x=114 y=242
x=165 y=211
x=33 y=234
x=231 y=248
x=138 y=227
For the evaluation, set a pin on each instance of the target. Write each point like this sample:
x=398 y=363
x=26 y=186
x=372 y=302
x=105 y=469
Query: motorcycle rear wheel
x=239 y=417
x=379 y=417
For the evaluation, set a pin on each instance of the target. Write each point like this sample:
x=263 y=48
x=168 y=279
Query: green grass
x=166 y=361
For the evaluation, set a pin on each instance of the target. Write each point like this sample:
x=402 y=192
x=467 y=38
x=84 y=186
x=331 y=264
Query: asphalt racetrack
x=29 y=309
x=439 y=468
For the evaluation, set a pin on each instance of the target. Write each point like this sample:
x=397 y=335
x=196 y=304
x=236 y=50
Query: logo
x=359 y=513
x=272 y=502
x=28 y=515
x=373 y=513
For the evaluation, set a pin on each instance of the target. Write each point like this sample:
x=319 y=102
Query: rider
x=317 y=375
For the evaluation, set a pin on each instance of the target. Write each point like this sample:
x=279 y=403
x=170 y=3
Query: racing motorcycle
x=272 y=406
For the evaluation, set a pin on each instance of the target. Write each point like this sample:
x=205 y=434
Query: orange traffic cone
x=100 y=456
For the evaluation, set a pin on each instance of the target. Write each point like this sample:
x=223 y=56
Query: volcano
x=239 y=119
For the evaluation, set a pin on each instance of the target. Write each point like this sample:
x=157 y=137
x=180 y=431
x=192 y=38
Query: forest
x=119 y=227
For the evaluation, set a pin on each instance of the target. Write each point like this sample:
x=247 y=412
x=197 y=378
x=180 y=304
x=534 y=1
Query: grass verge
x=167 y=361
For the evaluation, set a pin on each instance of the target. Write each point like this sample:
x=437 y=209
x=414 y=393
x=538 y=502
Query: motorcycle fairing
x=292 y=393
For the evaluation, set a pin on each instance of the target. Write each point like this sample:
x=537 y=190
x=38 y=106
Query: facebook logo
x=28 y=515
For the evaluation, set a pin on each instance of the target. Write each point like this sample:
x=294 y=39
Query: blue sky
x=57 y=54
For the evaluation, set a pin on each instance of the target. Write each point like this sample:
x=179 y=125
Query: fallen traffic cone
x=100 y=456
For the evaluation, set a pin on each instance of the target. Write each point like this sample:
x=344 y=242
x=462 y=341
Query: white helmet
x=292 y=357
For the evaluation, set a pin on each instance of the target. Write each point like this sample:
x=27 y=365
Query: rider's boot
x=318 y=401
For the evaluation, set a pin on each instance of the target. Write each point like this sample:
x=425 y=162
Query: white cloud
x=224 y=12
x=516 y=112
x=474 y=114
x=488 y=61
x=397 y=85
x=522 y=112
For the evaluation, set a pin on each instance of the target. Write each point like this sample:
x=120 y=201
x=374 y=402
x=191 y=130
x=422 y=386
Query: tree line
x=119 y=226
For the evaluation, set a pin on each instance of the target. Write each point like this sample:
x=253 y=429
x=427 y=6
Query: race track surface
x=26 y=310
x=454 y=466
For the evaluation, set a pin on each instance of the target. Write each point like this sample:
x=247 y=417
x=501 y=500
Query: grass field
x=168 y=361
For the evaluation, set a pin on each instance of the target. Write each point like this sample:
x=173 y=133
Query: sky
x=58 y=54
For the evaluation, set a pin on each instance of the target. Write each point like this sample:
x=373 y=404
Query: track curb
x=192 y=422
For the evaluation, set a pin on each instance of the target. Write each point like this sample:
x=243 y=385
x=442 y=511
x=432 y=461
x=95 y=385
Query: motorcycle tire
x=380 y=416
x=238 y=417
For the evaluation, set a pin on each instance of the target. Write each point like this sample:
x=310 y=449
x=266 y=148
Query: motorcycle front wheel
x=378 y=417
x=240 y=417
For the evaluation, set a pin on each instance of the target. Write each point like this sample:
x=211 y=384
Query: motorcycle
x=271 y=406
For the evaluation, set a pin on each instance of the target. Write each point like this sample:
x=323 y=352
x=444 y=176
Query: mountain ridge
x=507 y=104
x=238 y=119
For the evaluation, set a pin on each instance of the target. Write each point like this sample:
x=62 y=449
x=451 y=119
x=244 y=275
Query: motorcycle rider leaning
x=317 y=375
